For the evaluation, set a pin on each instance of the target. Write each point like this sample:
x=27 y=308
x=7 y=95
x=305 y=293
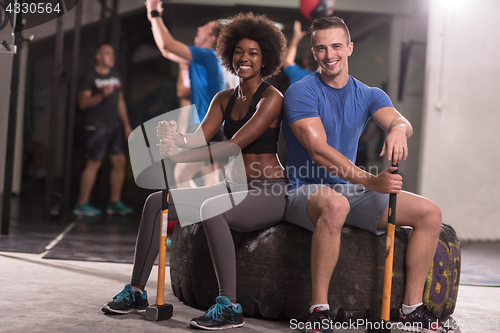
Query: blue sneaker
x=127 y=301
x=86 y=209
x=220 y=316
x=118 y=208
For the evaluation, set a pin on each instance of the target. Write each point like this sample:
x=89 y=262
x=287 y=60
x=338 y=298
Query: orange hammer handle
x=162 y=256
x=389 y=256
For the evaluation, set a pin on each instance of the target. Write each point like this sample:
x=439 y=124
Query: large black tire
x=274 y=277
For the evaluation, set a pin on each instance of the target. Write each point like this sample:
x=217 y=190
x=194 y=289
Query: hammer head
x=159 y=312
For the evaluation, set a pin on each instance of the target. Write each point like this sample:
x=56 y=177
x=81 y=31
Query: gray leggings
x=263 y=206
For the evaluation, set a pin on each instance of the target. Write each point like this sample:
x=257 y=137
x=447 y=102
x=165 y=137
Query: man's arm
x=183 y=92
x=175 y=58
x=311 y=135
x=87 y=101
x=122 y=112
x=399 y=129
x=164 y=40
x=298 y=34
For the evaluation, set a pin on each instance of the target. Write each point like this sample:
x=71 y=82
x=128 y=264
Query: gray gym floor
x=49 y=295
x=56 y=275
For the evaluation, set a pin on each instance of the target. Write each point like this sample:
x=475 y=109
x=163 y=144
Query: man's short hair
x=216 y=28
x=101 y=44
x=329 y=22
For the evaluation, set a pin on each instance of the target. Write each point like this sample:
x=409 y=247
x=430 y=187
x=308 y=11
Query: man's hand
x=396 y=144
x=108 y=90
x=298 y=34
x=387 y=182
x=153 y=5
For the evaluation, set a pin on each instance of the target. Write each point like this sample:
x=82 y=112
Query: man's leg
x=116 y=177
x=87 y=180
x=184 y=173
x=425 y=218
x=327 y=210
x=210 y=174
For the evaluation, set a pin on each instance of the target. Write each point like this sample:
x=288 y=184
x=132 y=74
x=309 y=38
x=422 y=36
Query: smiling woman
x=253 y=48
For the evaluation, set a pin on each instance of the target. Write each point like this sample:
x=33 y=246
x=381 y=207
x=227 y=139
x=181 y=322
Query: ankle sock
x=407 y=309
x=321 y=306
x=136 y=289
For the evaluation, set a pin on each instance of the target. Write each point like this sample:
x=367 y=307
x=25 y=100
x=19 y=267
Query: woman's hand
x=165 y=132
x=168 y=148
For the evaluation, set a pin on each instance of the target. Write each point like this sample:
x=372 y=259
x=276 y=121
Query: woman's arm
x=268 y=112
x=209 y=126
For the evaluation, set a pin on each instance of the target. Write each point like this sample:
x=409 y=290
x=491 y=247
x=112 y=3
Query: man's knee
x=180 y=175
x=92 y=164
x=430 y=216
x=434 y=216
x=118 y=161
x=329 y=209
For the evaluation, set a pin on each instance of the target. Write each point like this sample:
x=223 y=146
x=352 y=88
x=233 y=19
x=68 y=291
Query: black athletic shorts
x=101 y=141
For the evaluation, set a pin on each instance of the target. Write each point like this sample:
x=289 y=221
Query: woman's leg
x=148 y=236
x=148 y=239
x=146 y=250
x=263 y=206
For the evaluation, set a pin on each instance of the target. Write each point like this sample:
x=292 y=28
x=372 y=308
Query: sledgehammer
x=161 y=311
x=383 y=325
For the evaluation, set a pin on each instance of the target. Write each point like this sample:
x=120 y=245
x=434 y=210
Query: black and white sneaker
x=127 y=301
x=221 y=315
x=421 y=320
x=319 y=321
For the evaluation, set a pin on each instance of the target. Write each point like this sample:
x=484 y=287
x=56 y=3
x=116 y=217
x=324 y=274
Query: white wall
x=408 y=28
x=460 y=157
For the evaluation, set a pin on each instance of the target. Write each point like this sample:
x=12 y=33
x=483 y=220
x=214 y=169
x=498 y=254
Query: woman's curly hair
x=257 y=28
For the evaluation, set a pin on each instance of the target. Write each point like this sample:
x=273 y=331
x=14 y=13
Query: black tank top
x=267 y=143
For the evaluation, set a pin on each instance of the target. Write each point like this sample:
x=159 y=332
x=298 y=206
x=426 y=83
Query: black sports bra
x=267 y=143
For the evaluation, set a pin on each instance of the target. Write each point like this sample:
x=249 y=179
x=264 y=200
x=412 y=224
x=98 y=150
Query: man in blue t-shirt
x=205 y=71
x=206 y=77
x=325 y=115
